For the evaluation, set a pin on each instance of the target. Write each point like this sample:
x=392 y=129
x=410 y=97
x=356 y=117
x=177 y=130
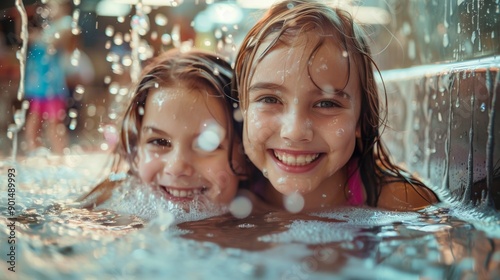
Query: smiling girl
x=311 y=113
x=178 y=134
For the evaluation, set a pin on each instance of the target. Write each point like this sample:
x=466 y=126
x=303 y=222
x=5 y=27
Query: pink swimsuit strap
x=355 y=185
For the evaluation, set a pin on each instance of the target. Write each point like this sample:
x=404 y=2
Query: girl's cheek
x=143 y=165
x=256 y=118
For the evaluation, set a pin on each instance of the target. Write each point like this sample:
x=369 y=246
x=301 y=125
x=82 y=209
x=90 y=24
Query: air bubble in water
x=294 y=202
x=240 y=207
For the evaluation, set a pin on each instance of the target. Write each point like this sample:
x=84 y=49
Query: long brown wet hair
x=282 y=24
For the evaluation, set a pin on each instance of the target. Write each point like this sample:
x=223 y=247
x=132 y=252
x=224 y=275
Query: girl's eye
x=325 y=104
x=161 y=142
x=268 y=99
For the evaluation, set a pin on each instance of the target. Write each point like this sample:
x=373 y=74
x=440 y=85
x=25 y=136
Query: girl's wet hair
x=195 y=69
x=286 y=21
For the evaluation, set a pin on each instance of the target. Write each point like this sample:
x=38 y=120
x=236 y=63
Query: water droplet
x=294 y=202
x=237 y=115
x=446 y=40
x=72 y=113
x=140 y=23
x=482 y=107
x=240 y=207
x=109 y=31
x=210 y=138
x=127 y=60
x=72 y=124
x=166 y=39
x=114 y=88
x=265 y=173
x=19 y=117
x=218 y=33
x=161 y=20
x=140 y=110
x=281 y=180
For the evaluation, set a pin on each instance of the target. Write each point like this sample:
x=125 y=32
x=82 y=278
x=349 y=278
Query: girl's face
x=183 y=146
x=301 y=136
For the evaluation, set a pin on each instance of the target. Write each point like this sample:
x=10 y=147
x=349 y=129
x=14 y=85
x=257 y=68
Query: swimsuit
x=355 y=185
x=355 y=192
x=45 y=84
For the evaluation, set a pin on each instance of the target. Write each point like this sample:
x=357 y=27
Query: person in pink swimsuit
x=45 y=84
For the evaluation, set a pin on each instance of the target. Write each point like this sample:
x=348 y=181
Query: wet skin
x=183 y=148
x=301 y=133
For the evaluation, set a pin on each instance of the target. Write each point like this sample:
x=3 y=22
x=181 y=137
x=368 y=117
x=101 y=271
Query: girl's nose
x=178 y=164
x=296 y=127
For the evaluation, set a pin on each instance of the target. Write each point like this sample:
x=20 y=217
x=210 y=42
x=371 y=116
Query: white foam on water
x=368 y=216
x=313 y=232
x=133 y=197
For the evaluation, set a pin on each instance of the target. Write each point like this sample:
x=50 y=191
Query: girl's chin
x=288 y=184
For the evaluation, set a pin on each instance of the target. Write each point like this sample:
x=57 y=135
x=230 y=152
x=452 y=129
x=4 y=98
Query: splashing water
x=136 y=234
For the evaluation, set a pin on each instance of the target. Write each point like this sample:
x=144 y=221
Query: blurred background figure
x=46 y=86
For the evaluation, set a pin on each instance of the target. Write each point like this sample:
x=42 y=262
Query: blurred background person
x=45 y=86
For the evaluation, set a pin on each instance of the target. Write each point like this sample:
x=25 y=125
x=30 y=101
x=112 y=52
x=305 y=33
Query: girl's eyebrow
x=148 y=128
x=265 y=85
x=273 y=86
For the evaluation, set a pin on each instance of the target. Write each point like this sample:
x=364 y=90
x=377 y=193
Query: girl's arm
x=403 y=196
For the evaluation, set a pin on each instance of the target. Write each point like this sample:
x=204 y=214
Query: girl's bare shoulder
x=403 y=196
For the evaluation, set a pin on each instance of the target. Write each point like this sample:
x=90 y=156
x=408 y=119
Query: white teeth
x=184 y=193
x=293 y=160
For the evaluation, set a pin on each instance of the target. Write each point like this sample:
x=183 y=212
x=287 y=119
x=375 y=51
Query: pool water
x=137 y=236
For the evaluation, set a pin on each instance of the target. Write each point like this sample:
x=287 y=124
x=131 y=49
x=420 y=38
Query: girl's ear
x=359 y=141
x=358 y=130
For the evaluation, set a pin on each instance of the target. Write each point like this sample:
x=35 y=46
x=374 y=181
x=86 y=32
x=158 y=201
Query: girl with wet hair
x=312 y=113
x=178 y=133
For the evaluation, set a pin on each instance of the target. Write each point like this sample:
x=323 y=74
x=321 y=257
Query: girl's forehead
x=307 y=41
x=186 y=99
x=326 y=65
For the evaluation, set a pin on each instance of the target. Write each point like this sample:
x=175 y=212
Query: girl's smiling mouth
x=295 y=162
x=182 y=194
